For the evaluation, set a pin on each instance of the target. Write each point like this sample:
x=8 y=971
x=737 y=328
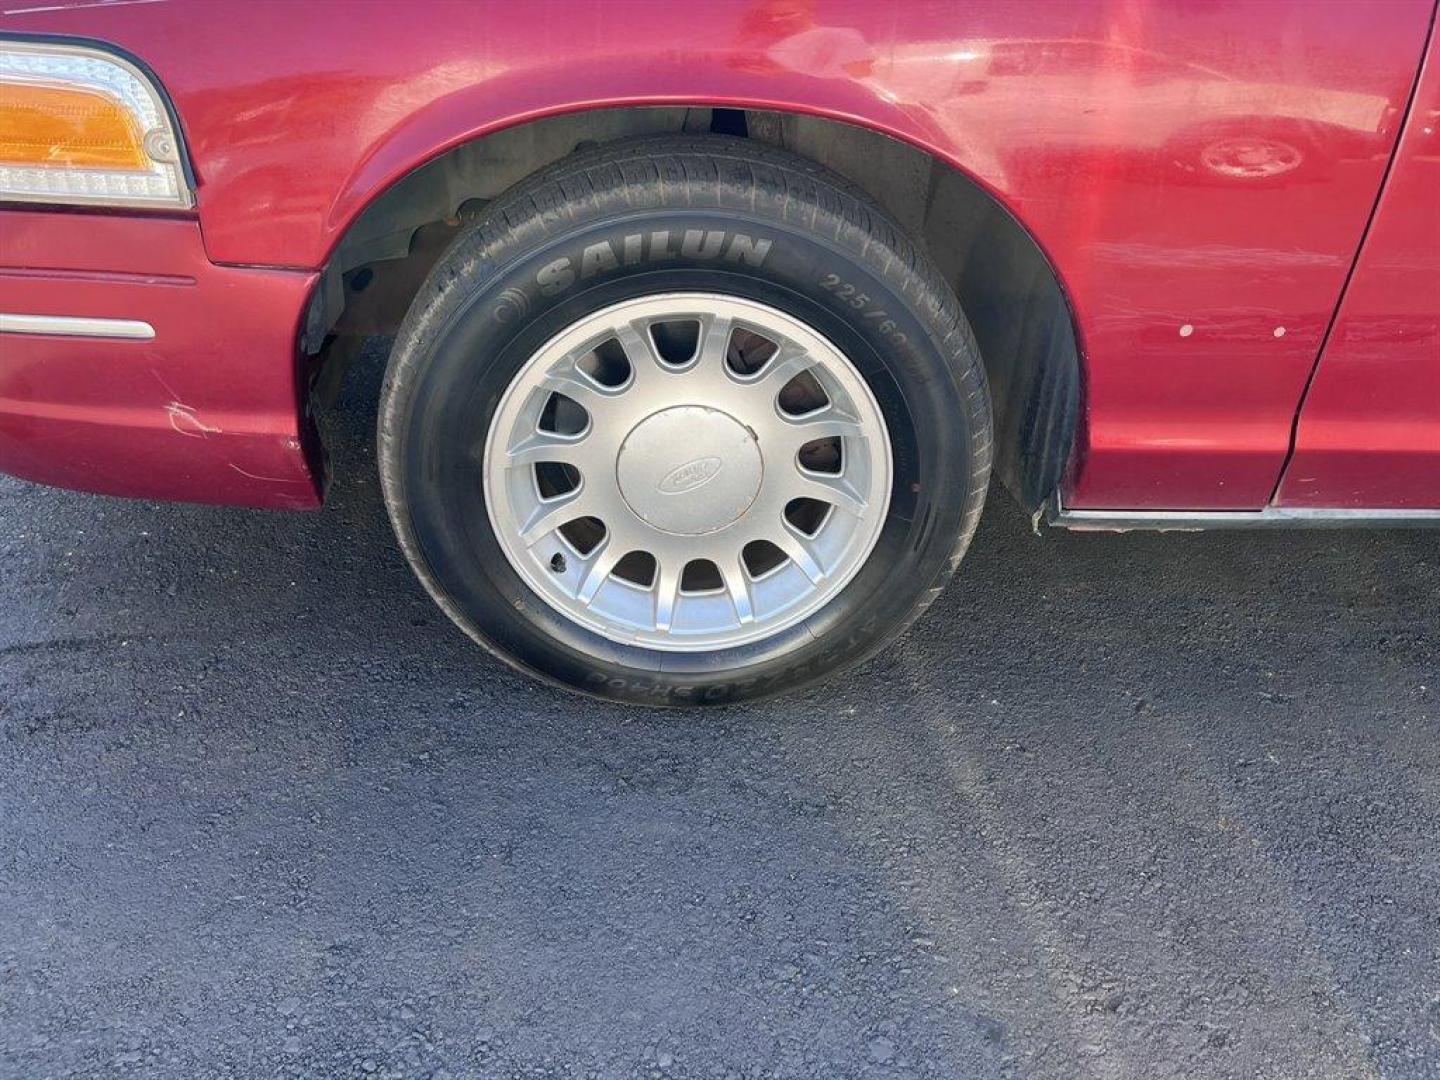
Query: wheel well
x=1006 y=286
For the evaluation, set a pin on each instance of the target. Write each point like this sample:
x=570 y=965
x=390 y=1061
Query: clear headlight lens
x=80 y=125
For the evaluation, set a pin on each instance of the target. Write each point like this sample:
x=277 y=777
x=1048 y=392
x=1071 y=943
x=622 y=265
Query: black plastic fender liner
x=1025 y=330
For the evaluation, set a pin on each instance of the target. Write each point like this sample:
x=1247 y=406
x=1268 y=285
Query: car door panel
x=1369 y=431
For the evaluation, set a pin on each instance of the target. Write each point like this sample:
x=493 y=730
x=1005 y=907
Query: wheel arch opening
x=1008 y=288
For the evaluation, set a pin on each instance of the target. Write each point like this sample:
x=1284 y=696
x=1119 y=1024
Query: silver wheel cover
x=671 y=497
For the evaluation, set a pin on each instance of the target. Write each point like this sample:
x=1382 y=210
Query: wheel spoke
x=789 y=360
x=799 y=553
x=829 y=424
x=601 y=561
x=667 y=590
x=715 y=341
x=788 y=434
x=578 y=387
x=737 y=584
x=710 y=379
x=835 y=490
x=548 y=446
x=634 y=338
x=552 y=513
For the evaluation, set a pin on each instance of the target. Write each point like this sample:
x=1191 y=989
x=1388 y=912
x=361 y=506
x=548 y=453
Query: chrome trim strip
x=75 y=326
x=1271 y=517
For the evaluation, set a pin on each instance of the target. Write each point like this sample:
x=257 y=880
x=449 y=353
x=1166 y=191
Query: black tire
x=489 y=304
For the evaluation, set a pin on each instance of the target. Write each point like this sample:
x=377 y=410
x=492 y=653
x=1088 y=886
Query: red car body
x=1238 y=199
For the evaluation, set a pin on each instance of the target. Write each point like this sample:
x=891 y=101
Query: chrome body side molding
x=1276 y=517
x=75 y=326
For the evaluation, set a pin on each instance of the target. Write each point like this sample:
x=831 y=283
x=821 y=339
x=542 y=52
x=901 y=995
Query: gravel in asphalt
x=1119 y=806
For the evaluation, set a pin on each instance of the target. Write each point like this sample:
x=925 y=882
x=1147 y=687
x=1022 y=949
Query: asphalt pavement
x=1119 y=806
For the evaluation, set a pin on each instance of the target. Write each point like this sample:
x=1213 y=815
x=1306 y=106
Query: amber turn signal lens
x=49 y=125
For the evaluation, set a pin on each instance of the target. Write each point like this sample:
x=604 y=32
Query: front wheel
x=684 y=420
